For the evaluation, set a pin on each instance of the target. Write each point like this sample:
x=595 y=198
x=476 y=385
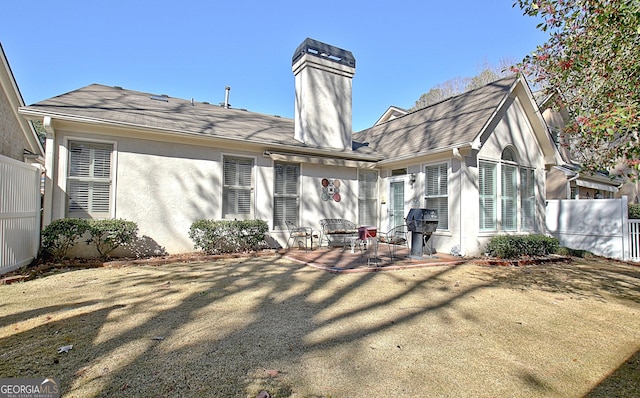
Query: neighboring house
x=479 y=158
x=568 y=180
x=18 y=139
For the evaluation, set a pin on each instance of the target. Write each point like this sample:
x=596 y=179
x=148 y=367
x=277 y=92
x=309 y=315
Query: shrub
x=634 y=211
x=108 y=235
x=59 y=236
x=224 y=236
x=512 y=246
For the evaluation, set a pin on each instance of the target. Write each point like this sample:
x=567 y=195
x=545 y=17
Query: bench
x=336 y=231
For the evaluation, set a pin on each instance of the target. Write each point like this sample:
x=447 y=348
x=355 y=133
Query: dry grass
x=235 y=327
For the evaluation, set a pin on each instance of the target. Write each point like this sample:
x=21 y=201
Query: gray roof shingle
x=456 y=121
x=114 y=105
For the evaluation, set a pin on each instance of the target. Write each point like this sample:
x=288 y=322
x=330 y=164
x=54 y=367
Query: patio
x=335 y=259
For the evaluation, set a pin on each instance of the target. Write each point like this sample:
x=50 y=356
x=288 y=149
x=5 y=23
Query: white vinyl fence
x=19 y=213
x=600 y=226
x=634 y=240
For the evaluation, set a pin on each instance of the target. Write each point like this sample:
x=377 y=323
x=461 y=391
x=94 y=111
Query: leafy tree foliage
x=591 y=63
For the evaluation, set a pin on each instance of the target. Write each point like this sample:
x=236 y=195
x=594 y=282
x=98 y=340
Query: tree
x=459 y=85
x=591 y=63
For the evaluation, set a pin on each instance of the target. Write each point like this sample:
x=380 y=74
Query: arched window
x=509 y=154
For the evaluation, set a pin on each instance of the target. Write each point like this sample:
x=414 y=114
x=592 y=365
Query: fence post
x=624 y=210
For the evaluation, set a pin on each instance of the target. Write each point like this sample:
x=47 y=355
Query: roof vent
x=163 y=97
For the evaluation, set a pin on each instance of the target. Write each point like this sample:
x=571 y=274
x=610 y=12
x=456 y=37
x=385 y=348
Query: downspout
x=456 y=154
x=49 y=167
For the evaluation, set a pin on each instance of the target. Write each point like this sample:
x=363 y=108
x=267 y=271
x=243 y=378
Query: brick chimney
x=323 y=86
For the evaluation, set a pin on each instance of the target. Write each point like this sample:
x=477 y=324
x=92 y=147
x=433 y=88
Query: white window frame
x=65 y=178
x=441 y=198
x=251 y=189
x=286 y=194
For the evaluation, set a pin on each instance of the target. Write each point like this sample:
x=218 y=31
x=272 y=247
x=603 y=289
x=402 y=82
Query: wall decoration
x=331 y=190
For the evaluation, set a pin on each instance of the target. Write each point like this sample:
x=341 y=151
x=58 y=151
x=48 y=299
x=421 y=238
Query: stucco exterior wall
x=556 y=184
x=512 y=129
x=165 y=186
x=12 y=141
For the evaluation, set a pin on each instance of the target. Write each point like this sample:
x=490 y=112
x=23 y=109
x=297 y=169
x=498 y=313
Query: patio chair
x=297 y=234
x=395 y=238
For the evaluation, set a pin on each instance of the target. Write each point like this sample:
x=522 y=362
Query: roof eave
x=302 y=148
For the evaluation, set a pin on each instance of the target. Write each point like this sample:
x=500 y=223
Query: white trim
x=596 y=185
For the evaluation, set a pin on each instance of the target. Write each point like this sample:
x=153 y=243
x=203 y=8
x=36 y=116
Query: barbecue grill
x=421 y=223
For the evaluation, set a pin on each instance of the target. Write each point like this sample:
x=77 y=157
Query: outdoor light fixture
x=412 y=178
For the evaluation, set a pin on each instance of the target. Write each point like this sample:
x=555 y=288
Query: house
x=479 y=158
x=19 y=140
x=567 y=179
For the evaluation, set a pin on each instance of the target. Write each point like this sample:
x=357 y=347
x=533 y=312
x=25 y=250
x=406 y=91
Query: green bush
x=225 y=236
x=62 y=234
x=634 y=211
x=515 y=246
x=108 y=235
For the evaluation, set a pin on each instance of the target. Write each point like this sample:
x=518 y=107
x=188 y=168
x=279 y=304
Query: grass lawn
x=233 y=328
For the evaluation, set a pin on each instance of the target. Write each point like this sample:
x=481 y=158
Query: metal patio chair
x=298 y=234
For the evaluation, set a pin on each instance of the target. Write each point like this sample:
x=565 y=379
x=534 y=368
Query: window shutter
x=437 y=187
x=509 y=197
x=368 y=197
x=89 y=179
x=237 y=190
x=285 y=200
x=487 y=193
x=528 y=199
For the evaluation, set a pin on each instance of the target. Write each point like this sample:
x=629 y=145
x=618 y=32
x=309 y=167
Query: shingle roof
x=456 y=121
x=117 y=105
x=114 y=105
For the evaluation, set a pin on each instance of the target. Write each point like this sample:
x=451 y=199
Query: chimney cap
x=323 y=50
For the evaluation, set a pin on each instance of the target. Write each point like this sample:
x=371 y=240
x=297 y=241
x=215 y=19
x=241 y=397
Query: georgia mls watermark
x=46 y=387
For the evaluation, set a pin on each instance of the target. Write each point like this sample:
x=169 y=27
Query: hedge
x=226 y=236
x=106 y=235
x=515 y=246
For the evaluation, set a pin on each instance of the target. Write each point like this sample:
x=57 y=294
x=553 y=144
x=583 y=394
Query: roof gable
x=456 y=122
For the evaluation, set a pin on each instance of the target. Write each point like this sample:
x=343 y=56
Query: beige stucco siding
x=165 y=186
x=12 y=141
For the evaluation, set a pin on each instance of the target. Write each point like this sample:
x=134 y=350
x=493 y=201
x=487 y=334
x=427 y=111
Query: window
x=89 y=180
x=368 y=197
x=509 y=197
x=488 y=196
x=285 y=194
x=237 y=188
x=437 y=192
x=528 y=199
x=506 y=191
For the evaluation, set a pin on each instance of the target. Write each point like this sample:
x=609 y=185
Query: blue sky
x=193 y=49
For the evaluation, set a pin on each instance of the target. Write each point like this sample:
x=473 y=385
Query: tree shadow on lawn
x=624 y=382
x=227 y=328
x=581 y=278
